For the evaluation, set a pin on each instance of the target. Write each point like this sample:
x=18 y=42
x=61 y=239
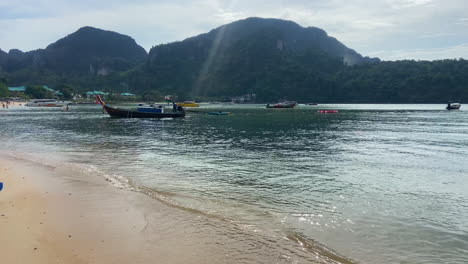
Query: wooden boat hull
x=187 y=104
x=280 y=106
x=124 y=113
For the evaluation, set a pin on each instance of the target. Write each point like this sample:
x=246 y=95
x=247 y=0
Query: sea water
x=372 y=183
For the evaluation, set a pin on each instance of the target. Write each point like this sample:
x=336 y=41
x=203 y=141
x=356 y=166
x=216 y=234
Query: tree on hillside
x=38 y=92
x=152 y=96
x=3 y=88
x=66 y=90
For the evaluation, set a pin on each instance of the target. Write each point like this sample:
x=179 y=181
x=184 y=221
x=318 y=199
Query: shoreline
x=61 y=215
x=46 y=219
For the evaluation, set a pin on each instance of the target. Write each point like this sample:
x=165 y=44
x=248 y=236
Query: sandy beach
x=12 y=103
x=61 y=215
x=50 y=219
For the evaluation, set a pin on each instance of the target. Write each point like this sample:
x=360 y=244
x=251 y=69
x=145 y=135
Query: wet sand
x=50 y=219
x=61 y=215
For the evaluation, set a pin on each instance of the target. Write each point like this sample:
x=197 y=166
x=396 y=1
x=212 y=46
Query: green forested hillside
x=272 y=58
x=404 y=82
x=87 y=51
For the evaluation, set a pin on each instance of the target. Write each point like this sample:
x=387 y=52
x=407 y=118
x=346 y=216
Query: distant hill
x=3 y=58
x=88 y=50
x=93 y=49
x=269 y=57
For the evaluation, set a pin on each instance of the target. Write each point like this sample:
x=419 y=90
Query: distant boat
x=142 y=111
x=327 y=111
x=188 y=104
x=312 y=104
x=453 y=106
x=287 y=104
x=46 y=103
x=82 y=103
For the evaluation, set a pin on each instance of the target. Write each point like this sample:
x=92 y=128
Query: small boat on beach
x=453 y=106
x=142 y=111
x=287 y=104
x=46 y=103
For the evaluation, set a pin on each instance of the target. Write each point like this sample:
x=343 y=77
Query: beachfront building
x=56 y=93
x=244 y=99
x=45 y=87
x=16 y=92
x=19 y=89
x=22 y=89
x=92 y=94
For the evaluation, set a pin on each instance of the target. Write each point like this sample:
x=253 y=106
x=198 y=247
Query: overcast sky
x=388 y=29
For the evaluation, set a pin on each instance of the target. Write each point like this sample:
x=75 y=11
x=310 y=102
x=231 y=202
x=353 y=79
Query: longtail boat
x=141 y=112
x=288 y=104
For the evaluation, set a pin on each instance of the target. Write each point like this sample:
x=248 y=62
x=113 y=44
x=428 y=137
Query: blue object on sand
x=1 y=186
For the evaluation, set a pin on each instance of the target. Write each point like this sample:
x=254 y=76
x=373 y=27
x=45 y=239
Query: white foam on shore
x=117 y=181
x=83 y=172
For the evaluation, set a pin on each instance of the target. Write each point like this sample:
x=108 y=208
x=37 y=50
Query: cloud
x=400 y=4
x=366 y=26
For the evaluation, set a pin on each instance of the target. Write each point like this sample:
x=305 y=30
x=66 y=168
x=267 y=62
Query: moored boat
x=142 y=111
x=327 y=111
x=188 y=104
x=453 y=106
x=287 y=104
x=46 y=103
x=82 y=103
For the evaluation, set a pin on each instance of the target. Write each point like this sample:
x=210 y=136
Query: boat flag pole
x=101 y=102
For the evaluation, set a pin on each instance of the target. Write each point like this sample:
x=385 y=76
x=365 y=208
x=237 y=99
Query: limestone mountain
x=88 y=50
x=95 y=50
x=270 y=57
x=3 y=59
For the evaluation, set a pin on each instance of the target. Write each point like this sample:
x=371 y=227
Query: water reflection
x=378 y=183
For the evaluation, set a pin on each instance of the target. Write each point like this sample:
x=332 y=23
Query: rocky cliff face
x=286 y=36
x=3 y=58
x=253 y=55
